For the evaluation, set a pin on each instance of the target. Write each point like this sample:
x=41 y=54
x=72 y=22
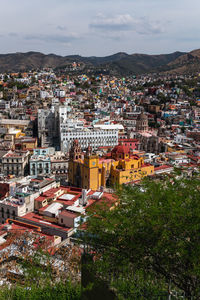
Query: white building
x=94 y=137
x=9 y=209
x=60 y=93
x=181 y=139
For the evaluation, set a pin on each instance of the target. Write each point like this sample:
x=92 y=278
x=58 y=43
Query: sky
x=99 y=27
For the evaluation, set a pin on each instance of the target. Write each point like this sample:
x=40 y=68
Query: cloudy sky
x=99 y=27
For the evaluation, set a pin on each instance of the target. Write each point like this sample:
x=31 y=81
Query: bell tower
x=75 y=151
x=91 y=170
x=90 y=160
x=75 y=162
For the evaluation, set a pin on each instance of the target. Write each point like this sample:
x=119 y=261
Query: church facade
x=89 y=171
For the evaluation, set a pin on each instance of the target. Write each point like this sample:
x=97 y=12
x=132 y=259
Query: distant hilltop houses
x=68 y=139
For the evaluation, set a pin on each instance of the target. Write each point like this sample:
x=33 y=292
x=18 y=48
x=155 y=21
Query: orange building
x=89 y=171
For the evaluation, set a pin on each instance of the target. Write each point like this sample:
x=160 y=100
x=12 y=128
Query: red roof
x=121 y=149
x=69 y=214
x=129 y=140
x=40 y=221
x=163 y=167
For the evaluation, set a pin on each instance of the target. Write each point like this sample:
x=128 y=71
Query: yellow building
x=26 y=143
x=91 y=172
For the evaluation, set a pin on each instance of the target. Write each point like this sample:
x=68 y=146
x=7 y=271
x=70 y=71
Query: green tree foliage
x=59 y=291
x=151 y=239
x=5 y=78
x=162 y=98
x=186 y=90
x=19 y=85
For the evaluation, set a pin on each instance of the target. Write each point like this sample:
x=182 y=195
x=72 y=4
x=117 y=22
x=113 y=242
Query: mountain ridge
x=118 y=63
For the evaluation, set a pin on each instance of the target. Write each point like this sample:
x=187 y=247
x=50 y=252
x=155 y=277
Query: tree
x=162 y=98
x=150 y=240
x=182 y=129
x=58 y=291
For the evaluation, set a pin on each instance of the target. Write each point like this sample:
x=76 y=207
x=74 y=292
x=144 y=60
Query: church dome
x=119 y=149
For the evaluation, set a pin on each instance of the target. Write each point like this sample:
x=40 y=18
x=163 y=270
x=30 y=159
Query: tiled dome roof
x=121 y=149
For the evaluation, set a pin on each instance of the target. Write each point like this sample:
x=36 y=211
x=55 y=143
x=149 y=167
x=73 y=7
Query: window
x=61 y=220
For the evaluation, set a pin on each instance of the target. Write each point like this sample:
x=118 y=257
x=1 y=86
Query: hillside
x=143 y=63
x=187 y=63
x=120 y=63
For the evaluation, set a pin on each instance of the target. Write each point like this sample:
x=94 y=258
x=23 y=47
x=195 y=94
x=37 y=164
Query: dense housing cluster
x=67 y=141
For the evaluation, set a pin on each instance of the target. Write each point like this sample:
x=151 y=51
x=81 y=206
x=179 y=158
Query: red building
x=132 y=144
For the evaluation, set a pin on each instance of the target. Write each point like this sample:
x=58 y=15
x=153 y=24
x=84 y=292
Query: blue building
x=40 y=162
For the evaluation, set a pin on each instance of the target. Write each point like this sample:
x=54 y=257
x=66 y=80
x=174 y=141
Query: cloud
x=63 y=39
x=145 y=26
x=61 y=28
x=13 y=34
x=118 y=22
x=117 y=26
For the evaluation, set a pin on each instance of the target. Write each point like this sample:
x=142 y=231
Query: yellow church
x=89 y=171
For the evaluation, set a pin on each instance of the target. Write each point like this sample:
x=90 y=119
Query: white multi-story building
x=62 y=112
x=60 y=93
x=93 y=137
x=15 y=163
x=96 y=136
